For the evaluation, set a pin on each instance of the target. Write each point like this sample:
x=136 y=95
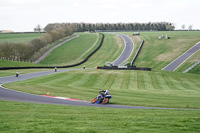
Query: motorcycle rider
x=103 y=93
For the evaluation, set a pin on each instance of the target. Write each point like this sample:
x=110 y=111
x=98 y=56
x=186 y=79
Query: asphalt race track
x=181 y=59
x=127 y=50
x=11 y=95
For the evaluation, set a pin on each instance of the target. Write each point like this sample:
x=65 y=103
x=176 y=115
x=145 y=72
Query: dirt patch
x=89 y=72
x=120 y=41
x=136 y=39
x=112 y=72
x=166 y=57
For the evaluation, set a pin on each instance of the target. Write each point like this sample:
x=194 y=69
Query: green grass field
x=19 y=38
x=29 y=117
x=70 y=52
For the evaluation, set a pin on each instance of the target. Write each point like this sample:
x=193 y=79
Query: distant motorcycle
x=102 y=98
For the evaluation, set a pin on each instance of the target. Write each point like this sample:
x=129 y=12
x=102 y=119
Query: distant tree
x=37 y=28
x=169 y=27
x=183 y=27
x=190 y=27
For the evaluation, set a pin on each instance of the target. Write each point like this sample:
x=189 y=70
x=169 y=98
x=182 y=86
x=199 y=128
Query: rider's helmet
x=107 y=92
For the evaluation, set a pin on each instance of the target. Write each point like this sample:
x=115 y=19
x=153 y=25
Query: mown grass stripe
x=177 y=84
x=148 y=82
x=162 y=82
x=140 y=80
x=187 y=84
x=117 y=82
x=191 y=83
x=133 y=85
x=154 y=80
x=102 y=79
x=125 y=78
x=109 y=82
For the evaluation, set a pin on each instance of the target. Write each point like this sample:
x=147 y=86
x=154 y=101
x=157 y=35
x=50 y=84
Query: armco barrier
x=124 y=68
x=7 y=68
x=137 y=53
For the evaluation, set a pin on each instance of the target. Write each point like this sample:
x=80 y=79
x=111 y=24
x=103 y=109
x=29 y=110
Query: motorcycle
x=102 y=98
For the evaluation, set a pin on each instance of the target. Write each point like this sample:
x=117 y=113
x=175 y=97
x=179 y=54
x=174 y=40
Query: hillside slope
x=69 y=52
x=156 y=53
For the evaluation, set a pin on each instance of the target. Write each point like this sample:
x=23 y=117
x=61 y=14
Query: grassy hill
x=72 y=52
x=19 y=38
x=157 y=54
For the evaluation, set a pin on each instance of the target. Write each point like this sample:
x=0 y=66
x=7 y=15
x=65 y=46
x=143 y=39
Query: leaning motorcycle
x=102 y=98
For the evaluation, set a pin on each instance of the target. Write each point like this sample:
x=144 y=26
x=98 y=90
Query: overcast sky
x=24 y=15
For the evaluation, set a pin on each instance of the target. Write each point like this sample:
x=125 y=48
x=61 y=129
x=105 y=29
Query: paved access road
x=181 y=59
x=127 y=50
x=11 y=95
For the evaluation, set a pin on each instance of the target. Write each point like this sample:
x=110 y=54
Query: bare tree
x=38 y=28
x=183 y=27
x=190 y=27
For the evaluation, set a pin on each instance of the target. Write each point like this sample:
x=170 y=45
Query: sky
x=25 y=15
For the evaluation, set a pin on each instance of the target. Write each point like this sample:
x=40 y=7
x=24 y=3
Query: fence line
x=137 y=53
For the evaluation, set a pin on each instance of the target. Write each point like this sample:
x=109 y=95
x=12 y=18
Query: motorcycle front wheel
x=94 y=100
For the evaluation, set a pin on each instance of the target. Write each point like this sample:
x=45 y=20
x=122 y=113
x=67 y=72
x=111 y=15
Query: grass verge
x=29 y=117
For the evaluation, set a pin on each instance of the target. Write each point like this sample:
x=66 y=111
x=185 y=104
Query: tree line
x=81 y=27
x=24 y=52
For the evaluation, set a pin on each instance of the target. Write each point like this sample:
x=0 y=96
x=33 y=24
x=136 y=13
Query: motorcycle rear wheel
x=105 y=101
